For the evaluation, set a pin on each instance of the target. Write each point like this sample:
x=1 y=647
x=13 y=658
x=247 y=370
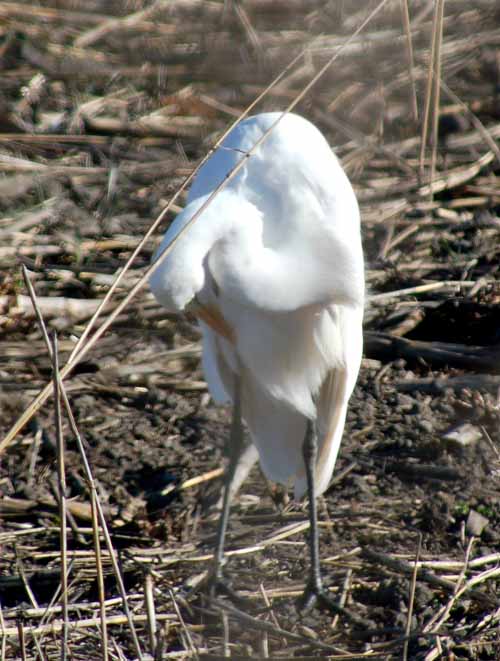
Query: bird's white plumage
x=278 y=254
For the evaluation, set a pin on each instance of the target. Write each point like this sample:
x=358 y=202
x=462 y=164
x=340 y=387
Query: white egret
x=273 y=268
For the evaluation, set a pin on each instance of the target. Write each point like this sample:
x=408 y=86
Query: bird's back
x=291 y=173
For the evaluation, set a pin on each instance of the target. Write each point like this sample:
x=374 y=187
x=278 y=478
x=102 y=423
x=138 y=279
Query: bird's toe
x=219 y=585
x=315 y=596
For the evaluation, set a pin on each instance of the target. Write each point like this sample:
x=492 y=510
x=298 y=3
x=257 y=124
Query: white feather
x=278 y=254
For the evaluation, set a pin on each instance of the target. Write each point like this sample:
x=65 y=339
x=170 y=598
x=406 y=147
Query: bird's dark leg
x=315 y=594
x=314 y=588
x=236 y=445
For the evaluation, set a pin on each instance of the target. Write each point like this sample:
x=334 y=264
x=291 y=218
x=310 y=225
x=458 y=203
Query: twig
x=186 y=631
x=431 y=385
x=488 y=438
x=346 y=586
x=453 y=565
x=22 y=640
x=261 y=625
x=50 y=607
x=200 y=479
x=411 y=600
x=26 y=585
x=420 y=289
x=406 y=568
x=437 y=621
x=150 y=612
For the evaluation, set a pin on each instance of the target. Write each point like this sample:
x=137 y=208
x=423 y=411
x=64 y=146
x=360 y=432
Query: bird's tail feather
x=332 y=408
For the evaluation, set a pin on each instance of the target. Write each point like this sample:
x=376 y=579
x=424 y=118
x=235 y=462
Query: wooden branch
x=489 y=382
x=387 y=348
x=51 y=306
x=18 y=506
x=406 y=568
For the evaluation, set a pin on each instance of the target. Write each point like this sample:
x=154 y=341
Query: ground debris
x=105 y=109
x=463 y=435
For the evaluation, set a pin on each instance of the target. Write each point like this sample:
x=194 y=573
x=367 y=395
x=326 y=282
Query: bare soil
x=105 y=108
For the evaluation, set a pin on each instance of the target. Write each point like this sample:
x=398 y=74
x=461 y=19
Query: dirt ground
x=105 y=108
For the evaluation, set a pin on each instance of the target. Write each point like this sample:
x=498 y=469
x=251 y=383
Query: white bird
x=273 y=268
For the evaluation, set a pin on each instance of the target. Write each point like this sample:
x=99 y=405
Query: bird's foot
x=218 y=585
x=315 y=596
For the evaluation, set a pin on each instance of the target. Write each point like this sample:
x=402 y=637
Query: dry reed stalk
x=58 y=384
x=457 y=176
x=110 y=25
x=436 y=76
x=454 y=565
x=252 y=35
x=428 y=93
x=33 y=613
x=51 y=306
x=481 y=129
x=3 y=643
x=411 y=64
x=61 y=475
x=38 y=646
x=22 y=640
x=494 y=448
x=264 y=643
x=226 y=649
x=100 y=576
x=107 y=537
x=85 y=623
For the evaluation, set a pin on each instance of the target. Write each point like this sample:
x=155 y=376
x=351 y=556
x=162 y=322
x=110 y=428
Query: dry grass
x=106 y=107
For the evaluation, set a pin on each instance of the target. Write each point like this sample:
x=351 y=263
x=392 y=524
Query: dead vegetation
x=108 y=508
